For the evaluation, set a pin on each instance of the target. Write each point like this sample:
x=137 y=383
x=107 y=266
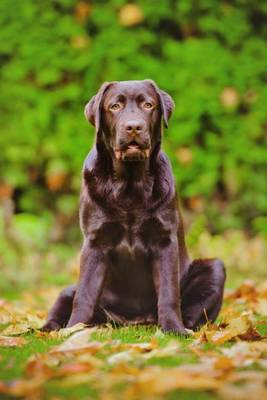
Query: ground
x=225 y=360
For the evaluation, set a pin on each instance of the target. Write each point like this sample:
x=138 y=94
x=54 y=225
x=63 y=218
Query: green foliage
x=210 y=56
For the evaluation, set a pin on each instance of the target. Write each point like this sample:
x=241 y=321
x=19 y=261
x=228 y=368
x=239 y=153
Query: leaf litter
x=228 y=358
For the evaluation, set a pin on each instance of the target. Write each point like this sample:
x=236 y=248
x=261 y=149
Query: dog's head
x=127 y=116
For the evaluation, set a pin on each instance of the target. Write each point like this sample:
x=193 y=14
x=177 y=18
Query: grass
x=13 y=360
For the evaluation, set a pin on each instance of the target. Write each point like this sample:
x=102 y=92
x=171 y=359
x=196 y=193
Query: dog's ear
x=166 y=102
x=92 y=109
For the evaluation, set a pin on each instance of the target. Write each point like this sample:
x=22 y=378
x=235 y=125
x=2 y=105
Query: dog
x=134 y=265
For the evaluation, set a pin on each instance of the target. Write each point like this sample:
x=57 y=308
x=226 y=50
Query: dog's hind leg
x=59 y=314
x=202 y=292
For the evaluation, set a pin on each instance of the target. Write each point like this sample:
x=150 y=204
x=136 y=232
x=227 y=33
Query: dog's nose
x=134 y=126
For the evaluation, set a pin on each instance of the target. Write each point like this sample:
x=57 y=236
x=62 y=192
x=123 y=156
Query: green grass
x=85 y=392
x=262 y=327
x=75 y=393
x=126 y=334
x=136 y=334
x=13 y=360
x=190 y=395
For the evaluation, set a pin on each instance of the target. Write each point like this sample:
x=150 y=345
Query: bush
x=210 y=56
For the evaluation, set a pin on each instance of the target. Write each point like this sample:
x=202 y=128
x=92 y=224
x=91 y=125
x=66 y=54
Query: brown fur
x=134 y=264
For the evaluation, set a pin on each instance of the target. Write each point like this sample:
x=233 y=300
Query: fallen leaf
x=21 y=387
x=37 y=367
x=74 y=368
x=156 y=381
x=122 y=357
x=173 y=347
x=223 y=363
x=240 y=327
x=244 y=353
x=247 y=290
x=109 y=364
x=261 y=307
x=7 y=341
x=64 y=332
x=16 y=329
x=78 y=342
x=144 y=347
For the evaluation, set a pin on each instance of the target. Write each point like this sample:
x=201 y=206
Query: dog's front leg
x=166 y=280
x=92 y=274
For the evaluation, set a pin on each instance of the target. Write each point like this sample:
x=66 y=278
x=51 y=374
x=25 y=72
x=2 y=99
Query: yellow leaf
x=79 y=342
x=16 y=329
x=223 y=363
x=21 y=387
x=64 y=332
x=261 y=307
x=7 y=341
x=74 y=368
x=236 y=327
x=130 y=15
x=159 y=381
x=121 y=357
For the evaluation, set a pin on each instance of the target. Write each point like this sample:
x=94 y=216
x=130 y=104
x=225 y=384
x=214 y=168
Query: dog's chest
x=131 y=236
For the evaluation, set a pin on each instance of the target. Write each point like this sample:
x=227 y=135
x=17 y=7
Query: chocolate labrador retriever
x=134 y=264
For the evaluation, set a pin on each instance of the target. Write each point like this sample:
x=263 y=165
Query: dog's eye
x=115 y=106
x=148 y=105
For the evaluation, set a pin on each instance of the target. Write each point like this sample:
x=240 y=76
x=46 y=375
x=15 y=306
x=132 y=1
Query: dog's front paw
x=173 y=325
x=51 y=325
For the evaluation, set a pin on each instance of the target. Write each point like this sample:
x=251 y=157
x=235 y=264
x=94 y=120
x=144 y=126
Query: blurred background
x=211 y=56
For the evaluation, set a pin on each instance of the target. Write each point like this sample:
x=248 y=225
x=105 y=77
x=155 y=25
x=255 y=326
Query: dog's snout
x=134 y=126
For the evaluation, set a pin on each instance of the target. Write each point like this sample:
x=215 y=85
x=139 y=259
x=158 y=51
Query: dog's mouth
x=133 y=152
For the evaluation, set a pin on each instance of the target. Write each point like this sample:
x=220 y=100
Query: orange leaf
x=7 y=341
